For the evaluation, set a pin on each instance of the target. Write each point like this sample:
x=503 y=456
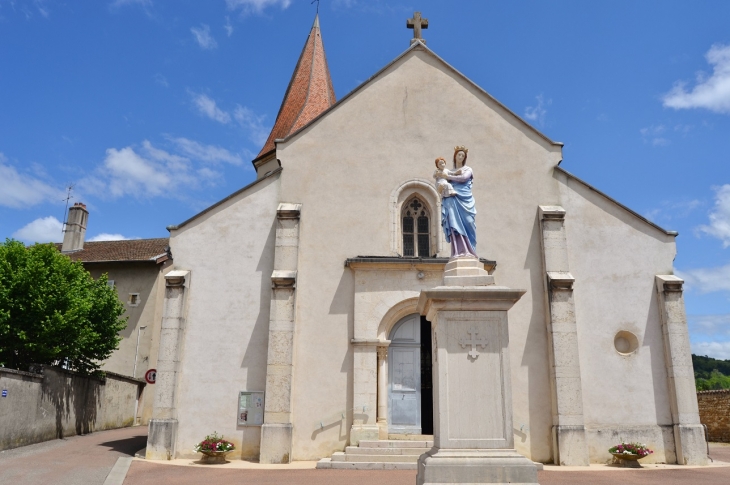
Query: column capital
x=551 y=212
x=669 y=283
x=288 y=211
x=560 y=280
x=283 y=279
x=176 y=278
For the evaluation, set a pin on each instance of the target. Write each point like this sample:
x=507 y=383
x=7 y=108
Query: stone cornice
x=394 y=263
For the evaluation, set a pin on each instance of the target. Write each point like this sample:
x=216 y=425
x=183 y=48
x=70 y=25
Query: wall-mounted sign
x=250 y=408
x=5 y=393
x=150 y=376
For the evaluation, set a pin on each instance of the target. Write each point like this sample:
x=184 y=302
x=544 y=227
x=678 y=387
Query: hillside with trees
x=711 y=374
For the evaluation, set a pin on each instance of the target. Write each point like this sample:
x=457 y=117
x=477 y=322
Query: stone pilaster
x=383 y=392
x=276 y=432
x=162 y=432
x=569 y=441
x=689 y=436
x=364 y=389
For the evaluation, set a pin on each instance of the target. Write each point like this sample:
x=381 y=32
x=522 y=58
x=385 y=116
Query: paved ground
x=86 y=460
x=144 y=473
x=77 y=460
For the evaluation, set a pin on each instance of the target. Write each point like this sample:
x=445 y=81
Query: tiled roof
x=127 y=250
x=310 y=91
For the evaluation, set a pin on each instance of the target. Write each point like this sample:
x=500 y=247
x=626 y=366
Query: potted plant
x=214 y=448
x=629 y=454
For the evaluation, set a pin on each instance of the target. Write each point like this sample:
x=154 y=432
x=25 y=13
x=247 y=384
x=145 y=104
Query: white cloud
x=43 y=230
x=205 y=153
x=22 y=190
x=124 y=3
x=707 y=280
x=713 y=325
x=253 y=123
x=653 y=134
x=161 y=80
x=202 y=35
x=104 y=236
x=719 y=216
x=670 y=210
x=256 y=6
x=711 y=92
x=207 y=107
x=538 y=112
x=228 y=26
x=150 y=173
x=718 y=350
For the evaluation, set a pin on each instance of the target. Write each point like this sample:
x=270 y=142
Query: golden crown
x=461 y=148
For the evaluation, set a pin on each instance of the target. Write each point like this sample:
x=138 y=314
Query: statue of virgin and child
x=458 y=212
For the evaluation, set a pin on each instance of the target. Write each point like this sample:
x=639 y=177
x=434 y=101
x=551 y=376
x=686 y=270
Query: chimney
x=75 y=231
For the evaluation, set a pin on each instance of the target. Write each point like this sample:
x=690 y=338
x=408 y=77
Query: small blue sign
x=5 y=393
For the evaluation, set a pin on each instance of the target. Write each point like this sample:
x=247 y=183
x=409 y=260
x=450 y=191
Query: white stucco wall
x=343 y=169
x=614 y=257
x=229 y=252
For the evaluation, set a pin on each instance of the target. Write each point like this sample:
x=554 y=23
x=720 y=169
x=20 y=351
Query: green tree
x=52 y=311
x=716 y=380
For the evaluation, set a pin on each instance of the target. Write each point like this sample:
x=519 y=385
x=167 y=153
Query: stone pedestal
x=473 y=435
x=276 y=440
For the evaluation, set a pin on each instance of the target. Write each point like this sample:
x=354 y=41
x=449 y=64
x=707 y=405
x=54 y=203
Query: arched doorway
x=410 y=396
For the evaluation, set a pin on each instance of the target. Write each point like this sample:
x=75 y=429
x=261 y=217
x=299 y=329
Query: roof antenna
x=317 y=5
x=69 y=189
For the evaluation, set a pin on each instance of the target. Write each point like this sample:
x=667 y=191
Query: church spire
x=309 y=93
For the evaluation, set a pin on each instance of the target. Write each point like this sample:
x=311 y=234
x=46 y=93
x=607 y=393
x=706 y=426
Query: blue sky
x=154 y=109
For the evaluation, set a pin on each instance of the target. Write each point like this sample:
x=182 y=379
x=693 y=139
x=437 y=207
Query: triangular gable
x=418 y=46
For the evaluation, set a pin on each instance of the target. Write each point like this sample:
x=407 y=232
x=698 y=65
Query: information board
x=251 y=408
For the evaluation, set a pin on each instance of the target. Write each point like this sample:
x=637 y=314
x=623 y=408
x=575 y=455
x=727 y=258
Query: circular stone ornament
x=625 y=342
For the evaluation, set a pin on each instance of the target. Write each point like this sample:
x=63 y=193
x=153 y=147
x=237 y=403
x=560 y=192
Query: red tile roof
x=310 y=91
x=127 y=250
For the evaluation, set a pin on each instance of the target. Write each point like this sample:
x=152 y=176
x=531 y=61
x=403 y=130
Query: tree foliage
x=52 y=311
x=711 y=374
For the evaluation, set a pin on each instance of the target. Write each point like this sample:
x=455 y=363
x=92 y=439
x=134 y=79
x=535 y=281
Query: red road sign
x=150 y=376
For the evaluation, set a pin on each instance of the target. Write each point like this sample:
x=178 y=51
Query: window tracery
x=416 y=228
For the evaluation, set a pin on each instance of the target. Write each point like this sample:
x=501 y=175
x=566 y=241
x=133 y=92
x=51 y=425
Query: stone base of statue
x=473 y=434
x=466 y=272
x=475 y=466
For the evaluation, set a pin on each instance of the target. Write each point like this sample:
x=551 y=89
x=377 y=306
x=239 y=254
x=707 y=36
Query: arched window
x=416 y=228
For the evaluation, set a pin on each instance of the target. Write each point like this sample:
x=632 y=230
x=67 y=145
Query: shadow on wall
x=75 y=400
x=536 y=359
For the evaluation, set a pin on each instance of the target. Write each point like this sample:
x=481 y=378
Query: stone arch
x=395 y=314
x=427 y=192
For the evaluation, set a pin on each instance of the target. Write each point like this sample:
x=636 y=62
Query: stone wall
x=715 y=413
x=56 y=403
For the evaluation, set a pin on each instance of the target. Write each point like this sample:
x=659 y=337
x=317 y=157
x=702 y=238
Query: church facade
x=301 y=289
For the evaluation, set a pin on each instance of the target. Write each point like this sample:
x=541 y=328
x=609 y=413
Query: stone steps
x=327 y=464
x=357 y=450
x=378 y=455
x=396 y=444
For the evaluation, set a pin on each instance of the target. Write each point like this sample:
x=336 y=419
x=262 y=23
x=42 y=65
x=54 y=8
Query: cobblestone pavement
x=77 y=460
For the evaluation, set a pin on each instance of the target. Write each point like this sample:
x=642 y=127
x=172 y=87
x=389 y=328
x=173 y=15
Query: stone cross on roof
x=417 y=23
x=473 y=342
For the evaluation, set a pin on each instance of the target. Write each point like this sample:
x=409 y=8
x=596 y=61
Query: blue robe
x=458 y=212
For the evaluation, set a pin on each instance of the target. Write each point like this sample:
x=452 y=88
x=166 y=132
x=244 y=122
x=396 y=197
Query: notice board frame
x=250 y=408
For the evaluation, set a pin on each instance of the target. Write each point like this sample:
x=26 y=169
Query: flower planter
x=214 y=457
x=628 y=461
